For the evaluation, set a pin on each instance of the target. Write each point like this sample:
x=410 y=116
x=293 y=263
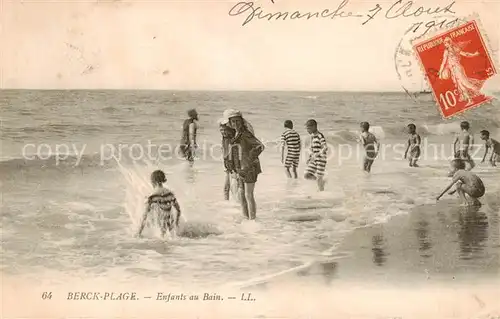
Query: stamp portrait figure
x=451 y=67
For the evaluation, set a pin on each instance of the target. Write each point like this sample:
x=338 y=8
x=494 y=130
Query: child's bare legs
x=370 y=166
x=461 y=193
x=367 y=164
x=413 y=161
x=294 y=170
x=494 y=160
x=370 y=157
x=244 y=205
x=163 y=224
x=235 y=187
x=471 y=164
x=309 y=176
x=252 y=205
x=288 y=174
x=321 y=183
x=227 y=186
x=462 y=189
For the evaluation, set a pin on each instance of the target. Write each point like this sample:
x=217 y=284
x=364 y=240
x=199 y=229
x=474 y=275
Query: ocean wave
x=55 y=161
x=399 y=131
x=63 y=128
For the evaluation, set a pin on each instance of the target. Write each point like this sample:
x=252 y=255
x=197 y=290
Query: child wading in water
x=465 y=141
x=371 y=145
x=248 y=149
x=316 y=164
x=161 y=202
x=290 y=141
x=230 y=160
x=466 y=183
x=413 y=145
x=188 y=140
x=493 y=144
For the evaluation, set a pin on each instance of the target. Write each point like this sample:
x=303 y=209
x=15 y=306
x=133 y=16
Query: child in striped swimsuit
x=316 y=164
x=161 y=202
x=290 y=140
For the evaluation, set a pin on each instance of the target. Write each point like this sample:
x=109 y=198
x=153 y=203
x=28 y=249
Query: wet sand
x=441 y=243
x=434 y=248
x=438 y=261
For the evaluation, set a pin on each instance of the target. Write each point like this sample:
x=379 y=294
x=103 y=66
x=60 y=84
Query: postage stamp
x=456 y=64
x=407 y=67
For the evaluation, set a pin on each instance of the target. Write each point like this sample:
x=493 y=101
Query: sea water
x=77 y=216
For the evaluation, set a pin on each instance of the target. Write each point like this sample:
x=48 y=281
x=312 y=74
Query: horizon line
x=213 y=90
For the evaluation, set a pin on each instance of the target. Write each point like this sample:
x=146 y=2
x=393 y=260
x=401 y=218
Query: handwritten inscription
x=399 y=9
x=250 y=12
x=430 y=25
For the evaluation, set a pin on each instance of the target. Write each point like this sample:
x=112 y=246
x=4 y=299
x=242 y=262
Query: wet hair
x=289 y=124
x=464 y=125
x=458 y=163
x=412 y=126
x=365 y=125
x=312 y=122
x=158 y=177
x=485 y=133
x=192 y=114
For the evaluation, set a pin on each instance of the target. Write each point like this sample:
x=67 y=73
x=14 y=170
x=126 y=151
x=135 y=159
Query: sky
x=197 y=45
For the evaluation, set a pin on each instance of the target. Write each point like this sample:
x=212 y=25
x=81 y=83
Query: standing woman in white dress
x=467 y=87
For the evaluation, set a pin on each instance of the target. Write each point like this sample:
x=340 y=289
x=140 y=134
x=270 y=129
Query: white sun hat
x=223 y=121
x=229 y=113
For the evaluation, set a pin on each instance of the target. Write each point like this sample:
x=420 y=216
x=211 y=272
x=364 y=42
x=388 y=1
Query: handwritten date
x=399 y=9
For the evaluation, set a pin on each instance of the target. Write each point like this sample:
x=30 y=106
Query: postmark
x=456 y=63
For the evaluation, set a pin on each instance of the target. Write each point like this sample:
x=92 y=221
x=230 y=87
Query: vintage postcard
x=265 y=159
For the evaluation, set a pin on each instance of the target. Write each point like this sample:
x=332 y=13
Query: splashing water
x=137 y=189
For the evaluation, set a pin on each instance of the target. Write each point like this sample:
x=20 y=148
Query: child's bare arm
x=192 y=135
x=445 y=190
x=324 y=146
x=361 y=139
x=492 y=154
x=419 y=140
x=282 y=144
x=178 y=217
x=407 y=148
x=455 y=144
x=377 y=144
x=454 y=180
x=144 y=217
x=486 y=152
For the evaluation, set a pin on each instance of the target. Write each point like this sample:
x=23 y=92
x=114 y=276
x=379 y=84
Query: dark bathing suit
x=185 y=146
x=415 y=148
x=161 y=203
x=462 y=154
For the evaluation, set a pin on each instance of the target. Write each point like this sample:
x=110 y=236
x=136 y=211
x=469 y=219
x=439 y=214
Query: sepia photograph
x=269 y=159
